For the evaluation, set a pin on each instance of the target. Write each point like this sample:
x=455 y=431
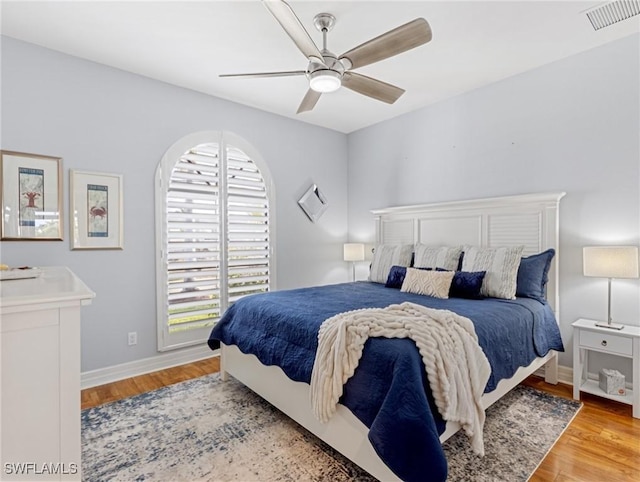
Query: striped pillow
x=387 y=255
x=501 y=265
x=446 y=257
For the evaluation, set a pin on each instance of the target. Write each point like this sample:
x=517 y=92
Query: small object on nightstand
x=612 y=382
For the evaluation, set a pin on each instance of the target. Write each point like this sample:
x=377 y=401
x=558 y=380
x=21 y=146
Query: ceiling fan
x=327 y=72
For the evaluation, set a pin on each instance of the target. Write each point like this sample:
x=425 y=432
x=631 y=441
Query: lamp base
x=612 y=326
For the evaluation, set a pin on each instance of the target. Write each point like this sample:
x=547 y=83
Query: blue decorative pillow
x=533 y=275
x=396 y=277
x=467 y=284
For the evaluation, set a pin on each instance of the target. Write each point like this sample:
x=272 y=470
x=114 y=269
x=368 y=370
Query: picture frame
x=31 y=197
x=313 y=203
x=96 y=208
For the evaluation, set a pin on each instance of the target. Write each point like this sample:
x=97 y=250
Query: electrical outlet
x=133 y=338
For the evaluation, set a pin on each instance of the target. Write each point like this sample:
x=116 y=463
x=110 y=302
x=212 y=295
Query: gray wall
x=569 y=126
x=102 y=119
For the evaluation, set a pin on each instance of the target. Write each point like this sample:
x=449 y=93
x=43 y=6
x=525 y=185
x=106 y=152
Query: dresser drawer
x=606 y=342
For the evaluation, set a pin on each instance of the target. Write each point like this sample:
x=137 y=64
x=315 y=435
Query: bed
x=268 y=341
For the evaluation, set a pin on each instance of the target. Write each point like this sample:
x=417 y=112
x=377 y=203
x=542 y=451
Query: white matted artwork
x=313 y=203
x=31 y=196
x=96 y=210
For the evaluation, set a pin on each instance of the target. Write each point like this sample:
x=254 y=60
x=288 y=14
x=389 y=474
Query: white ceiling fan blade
x=394 y=42
x=309 y=101
x=288 y=73
x=372 y=87
x=292 y=25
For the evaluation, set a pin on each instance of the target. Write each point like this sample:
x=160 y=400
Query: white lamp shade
x=610 y=261
x=354 y=252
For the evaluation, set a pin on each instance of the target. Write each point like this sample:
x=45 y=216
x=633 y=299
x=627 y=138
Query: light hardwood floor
x=602 y=444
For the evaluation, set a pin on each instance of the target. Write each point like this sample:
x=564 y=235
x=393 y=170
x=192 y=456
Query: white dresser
x=40 y=376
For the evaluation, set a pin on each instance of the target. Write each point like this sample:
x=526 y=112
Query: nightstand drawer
x=606 y=342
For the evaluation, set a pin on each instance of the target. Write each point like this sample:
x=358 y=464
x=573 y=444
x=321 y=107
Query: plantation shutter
x=214 y=244
x=247 y=227
x=193 y=241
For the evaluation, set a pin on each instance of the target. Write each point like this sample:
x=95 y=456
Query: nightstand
x=625 y=343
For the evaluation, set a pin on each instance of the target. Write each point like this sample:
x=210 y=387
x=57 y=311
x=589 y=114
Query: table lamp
x=610 y=262
x=354 y=252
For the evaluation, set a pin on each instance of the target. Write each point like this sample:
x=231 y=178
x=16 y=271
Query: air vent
x=613 y=12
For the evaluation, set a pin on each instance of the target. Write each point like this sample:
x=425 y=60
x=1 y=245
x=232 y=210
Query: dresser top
x=55 y=284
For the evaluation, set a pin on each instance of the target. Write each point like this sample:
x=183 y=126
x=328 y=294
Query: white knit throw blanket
x=456 y=366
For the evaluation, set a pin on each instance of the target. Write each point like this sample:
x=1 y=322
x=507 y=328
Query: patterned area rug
x=208 y=430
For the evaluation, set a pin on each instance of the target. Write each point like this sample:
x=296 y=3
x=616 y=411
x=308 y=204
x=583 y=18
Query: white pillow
x=430 y=283
x=501 y=265
x=446 y=257
x=387 y=255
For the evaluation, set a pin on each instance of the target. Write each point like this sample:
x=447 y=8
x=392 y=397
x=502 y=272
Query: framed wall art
x=31 y=197
x=313 y=203
x=96 y=210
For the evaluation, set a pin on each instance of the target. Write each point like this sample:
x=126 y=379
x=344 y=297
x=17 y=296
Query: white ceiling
x=188 y=43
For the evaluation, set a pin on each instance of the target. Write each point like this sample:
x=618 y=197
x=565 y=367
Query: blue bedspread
x=389 y=391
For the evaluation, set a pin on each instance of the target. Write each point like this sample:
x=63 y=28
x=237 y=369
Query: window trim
x=166 y=164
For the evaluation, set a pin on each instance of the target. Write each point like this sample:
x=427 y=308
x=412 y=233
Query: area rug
x=209 y=430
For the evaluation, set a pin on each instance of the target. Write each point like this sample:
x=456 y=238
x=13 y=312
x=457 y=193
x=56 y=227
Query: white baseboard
x=565 y=374
x=147 y=365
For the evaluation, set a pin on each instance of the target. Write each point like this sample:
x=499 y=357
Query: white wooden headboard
x=531 y=220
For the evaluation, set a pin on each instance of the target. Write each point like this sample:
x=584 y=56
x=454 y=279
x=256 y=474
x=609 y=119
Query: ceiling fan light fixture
x=325 y=81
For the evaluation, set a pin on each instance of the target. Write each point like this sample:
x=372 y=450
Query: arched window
x=214 y=236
